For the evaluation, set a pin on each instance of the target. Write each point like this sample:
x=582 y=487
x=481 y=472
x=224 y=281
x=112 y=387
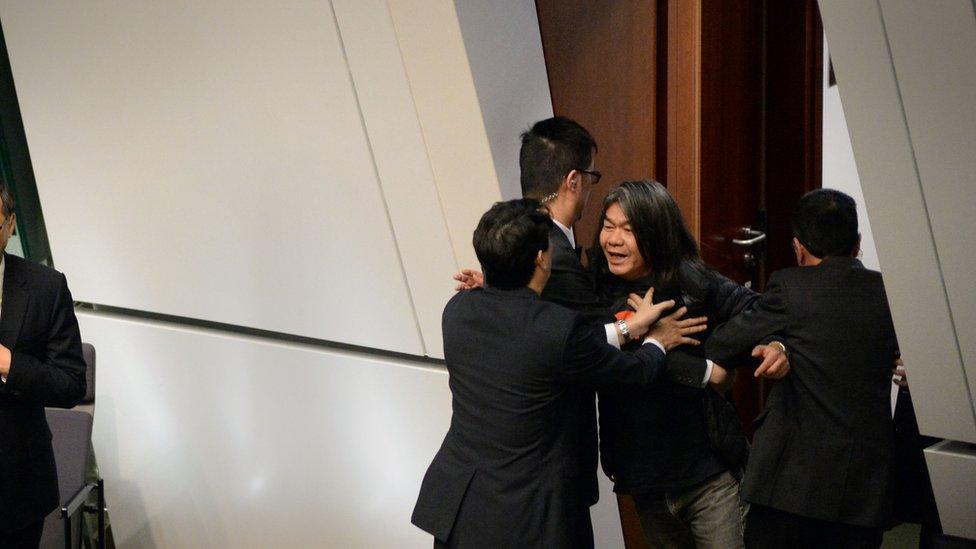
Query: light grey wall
x=896 y=194
x=193 y=161
x=311 y=168
x=214 y=440
x=906 y=77
x=839 y=165
x=504 y=46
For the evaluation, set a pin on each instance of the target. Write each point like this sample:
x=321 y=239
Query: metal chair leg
x=101 y=513
x=66 y=519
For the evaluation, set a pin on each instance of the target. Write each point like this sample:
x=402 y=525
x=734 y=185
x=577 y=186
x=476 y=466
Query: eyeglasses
x=593 y=173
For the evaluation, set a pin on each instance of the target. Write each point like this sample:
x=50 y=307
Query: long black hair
x=663 y=238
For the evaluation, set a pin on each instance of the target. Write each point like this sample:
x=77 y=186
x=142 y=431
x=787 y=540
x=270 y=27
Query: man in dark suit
x=41 y=364
x=557 y=163
x=505 y=473
x=557 y=169
x=819 y=474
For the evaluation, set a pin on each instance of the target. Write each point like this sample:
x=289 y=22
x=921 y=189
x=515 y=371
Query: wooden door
x=717 y=99
x=602 y=58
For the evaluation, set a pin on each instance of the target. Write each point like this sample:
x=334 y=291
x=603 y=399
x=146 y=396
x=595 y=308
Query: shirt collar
x=568 y=231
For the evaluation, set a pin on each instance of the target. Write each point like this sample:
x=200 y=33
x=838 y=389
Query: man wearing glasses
x=41 y=364
x=556 y=162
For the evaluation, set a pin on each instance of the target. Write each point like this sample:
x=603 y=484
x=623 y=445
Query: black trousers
x=28 y=537
x=774 y=529
x=581 y=537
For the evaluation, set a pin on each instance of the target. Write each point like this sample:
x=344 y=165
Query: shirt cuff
x=708 y=372
x=656 y=343
x=612 y=338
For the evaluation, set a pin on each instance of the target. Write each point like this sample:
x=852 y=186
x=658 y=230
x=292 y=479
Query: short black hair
x=825 y=222
x=7 y=202
x=550 y=150
x=507 y=240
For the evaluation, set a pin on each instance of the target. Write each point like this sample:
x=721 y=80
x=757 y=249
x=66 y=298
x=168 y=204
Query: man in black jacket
x=557 y=169
x=41 y=364
x=819 y=474
x=505 y=473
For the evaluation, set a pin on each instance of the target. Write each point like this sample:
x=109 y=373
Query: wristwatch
x=624 y=331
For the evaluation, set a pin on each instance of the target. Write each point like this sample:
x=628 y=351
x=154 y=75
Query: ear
x=540 y=260
x=572 y=181
x=799 y=250
x=857 y=247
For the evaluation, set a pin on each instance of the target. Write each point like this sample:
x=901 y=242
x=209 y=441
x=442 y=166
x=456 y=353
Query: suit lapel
x=14 y=304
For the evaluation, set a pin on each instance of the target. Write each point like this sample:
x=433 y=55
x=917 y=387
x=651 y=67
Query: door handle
x=753 y=237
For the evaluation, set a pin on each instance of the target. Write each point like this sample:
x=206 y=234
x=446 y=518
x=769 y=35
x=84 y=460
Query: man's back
x=503 y=351
x=504 y=474
x=822 y=448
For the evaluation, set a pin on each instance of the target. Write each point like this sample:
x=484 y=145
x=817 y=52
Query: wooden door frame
x=683 y=45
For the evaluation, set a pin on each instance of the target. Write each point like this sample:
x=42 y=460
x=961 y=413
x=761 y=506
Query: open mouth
x=616 y=258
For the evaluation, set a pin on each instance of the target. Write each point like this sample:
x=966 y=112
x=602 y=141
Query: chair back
x=71 y=432
x=89 y=351
x=70 y=436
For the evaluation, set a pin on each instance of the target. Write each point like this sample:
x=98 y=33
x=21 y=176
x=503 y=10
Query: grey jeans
x=708 y=514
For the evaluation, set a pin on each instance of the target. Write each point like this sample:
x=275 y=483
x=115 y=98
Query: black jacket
x=573 y=286
x=38 y=325
x=823 y=444
x=656 y=438
x=505 y=473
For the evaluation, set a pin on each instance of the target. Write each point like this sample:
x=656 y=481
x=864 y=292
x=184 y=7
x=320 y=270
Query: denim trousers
x=709 y=514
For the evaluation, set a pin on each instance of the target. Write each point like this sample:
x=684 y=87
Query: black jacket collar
x=523 y=292
x=841 y=262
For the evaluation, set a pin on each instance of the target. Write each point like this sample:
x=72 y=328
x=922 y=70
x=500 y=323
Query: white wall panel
x=894 y=197
x=208 y=440
x=839 y=165
x=952 y=467
x=401 y=159
x=447 y=106
x=933 y=52
x=504 y=47
x=208 y=160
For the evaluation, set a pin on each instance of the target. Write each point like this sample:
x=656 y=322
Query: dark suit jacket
x=572 y=286
x=657 y=439
x=823 y=445
x=570 y=283
x=38 y=325
x=505 y=473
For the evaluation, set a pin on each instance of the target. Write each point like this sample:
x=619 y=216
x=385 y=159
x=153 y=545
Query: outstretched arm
x=744 y=332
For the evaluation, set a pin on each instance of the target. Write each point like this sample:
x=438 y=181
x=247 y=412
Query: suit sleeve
x=767 y=316
x=588 y=360
x=730 y=298
x=686 y=368
x=59 y=378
